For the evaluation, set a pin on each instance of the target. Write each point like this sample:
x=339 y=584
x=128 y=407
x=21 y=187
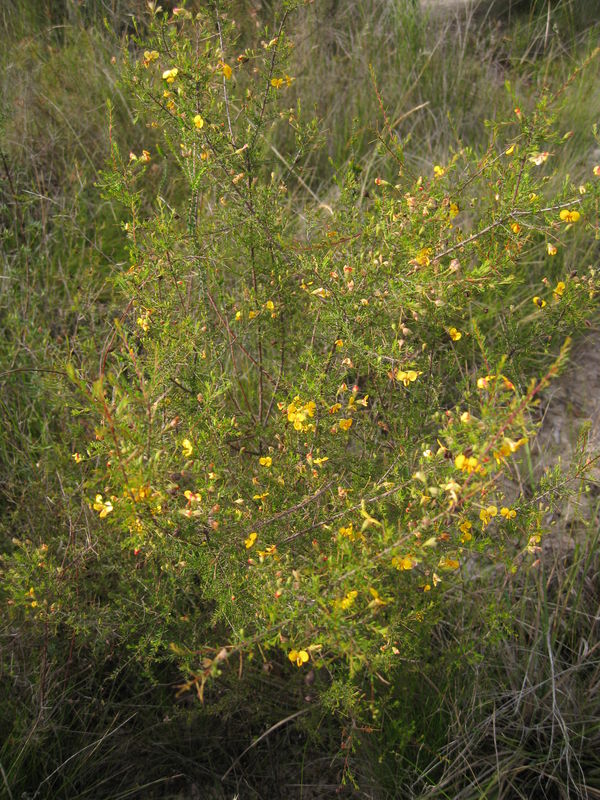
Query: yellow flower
x=169 y=75
x=187 y=448
x=454 y=210
x=346 y=424
x=348 y=532
x=407 y=377
x=465 y=526
x=270 y=550
x=298 y=657
x=438 y=171
x=297 y=413
x=446 y=562
x=192 y=497
x=334 y=408
x=227 y=72
x=252 y=314
x=265 y=461
x=467 y=464
x=269 y=305
x=198 y=122
x=403 y=562
x=339 y=342
x=515 y=227
x=144 y=322
x=346 y=601
x=277 y=83
x=510 y=150
x=149 y=57
x=455 y=334
x=569 y=216
x=486 y=514
x=138 y=493
x=482 y=383
x=596 y=170
x=508 y=448
x=559 y=290
x=77 y=458
x=377 y=599
x=102 y=506
x=508 y=513
x=459 y=461
x=423 y=257
x=249 y=542
x=552 y=251
x=539 y=302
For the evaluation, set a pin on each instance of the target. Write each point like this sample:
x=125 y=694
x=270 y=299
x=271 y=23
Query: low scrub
x=302 y=434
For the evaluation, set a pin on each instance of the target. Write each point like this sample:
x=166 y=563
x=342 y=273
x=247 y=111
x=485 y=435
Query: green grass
x=524 y=722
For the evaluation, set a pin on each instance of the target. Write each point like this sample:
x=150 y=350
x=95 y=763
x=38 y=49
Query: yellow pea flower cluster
x=446 y=562
x=103 y=507
x=169 y=75
x=567 y=215
x=403 y=562
x=423 y=257
x=149 y=57
x=468 y=464
x=270 y=550
x=298 y=657
x=345 y=602
x=508 y=448
x=250 y=540
x=486 y=515
x=484 y=383
x=465 y=528
x=406 y=376
x=299 y=412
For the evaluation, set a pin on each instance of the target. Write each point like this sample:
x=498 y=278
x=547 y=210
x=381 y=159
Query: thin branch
x=225 y=93
x=269 y=76
x=502 y=221
x=292 y=510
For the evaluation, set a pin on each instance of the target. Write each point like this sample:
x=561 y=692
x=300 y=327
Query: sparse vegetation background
x=285 y=290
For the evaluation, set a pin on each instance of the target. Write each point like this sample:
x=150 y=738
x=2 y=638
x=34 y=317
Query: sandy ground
x=569 y=406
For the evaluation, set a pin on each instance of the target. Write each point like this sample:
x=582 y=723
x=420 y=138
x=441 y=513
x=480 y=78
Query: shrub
x=304 y=416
